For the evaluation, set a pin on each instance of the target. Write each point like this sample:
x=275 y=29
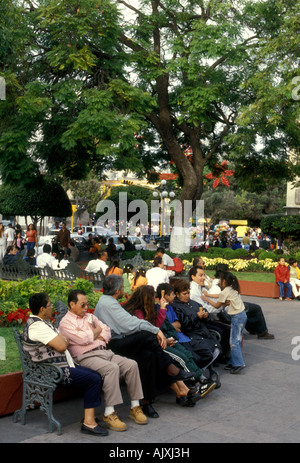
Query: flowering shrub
x=239 y=265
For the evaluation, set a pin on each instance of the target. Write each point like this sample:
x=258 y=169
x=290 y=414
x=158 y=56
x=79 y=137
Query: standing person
x=231 y=292
x=44 y=343
x=31 y=237
x=2 y=242
x=88 y=338
x=10 y=235
x=64 y=237
x=282 y=278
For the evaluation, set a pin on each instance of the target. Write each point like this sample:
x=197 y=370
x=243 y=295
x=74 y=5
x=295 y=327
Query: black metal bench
x=40 y=380
x=22 y=270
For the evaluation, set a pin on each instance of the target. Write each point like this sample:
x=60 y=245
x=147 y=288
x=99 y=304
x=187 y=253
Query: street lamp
x=163 y=191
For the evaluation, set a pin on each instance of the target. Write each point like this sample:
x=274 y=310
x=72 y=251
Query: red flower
x=220 y=173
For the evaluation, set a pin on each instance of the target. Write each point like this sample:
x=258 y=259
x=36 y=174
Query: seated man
x=88 y=338
x=167 y=260
x=29 y=258
x=11 y=257
x=46 y=258
x=95 y=265
x=157 y=274
x=45 y=344
x=282 y=278
x=197 y=279
x=139 y=340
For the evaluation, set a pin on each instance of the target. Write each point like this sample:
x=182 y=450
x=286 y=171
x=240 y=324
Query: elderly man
x=45 y=344
x=88 y=338
x=140 y=340
x=95 y=265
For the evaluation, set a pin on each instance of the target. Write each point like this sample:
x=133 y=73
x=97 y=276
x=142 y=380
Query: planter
x=11 y=390
x=11 y=387
x=259 y=289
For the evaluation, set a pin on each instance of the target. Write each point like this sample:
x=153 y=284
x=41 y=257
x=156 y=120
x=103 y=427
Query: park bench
x=138 y=262
x=22 y=270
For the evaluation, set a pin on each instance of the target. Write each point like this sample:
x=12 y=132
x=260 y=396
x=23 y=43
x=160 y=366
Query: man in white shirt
x=95 y=265
x=10 y=235
x=157 y=274
x=167 y=260
x=197 y=285
x=197 y=278
x=46 y=258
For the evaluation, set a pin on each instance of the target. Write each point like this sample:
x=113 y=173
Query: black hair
x=37 y=301
x=231 y=280
x=193 y=271
x=140 y=273
x=166 y=287
x=73 y=295
x=220 y=270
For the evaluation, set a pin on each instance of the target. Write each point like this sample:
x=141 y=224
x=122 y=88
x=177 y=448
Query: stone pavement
x=260 y=405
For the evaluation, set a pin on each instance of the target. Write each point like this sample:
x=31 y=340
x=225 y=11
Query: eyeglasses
x=48 y=306
x=84 y=304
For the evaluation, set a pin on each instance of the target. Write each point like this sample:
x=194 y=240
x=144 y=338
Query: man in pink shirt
x=88 y=337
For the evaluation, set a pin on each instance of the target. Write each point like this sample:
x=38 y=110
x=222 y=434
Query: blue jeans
x=288 y=287
x=238 y=323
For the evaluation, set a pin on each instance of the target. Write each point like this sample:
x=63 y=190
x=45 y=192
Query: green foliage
x=43 y=197
x=284 y=226
x=83 y=83
x=15 y=295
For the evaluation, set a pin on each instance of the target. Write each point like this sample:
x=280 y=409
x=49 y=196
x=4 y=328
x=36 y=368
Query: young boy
x=282 y=278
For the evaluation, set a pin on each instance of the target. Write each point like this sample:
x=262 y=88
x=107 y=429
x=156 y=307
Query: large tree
x=93 y=87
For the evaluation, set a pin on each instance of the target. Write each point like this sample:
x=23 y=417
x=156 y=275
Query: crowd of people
x=16 y=244
x=168 y=334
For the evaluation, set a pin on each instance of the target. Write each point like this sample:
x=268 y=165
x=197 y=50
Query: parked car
x=138 y=242
x=80 y=241
x=162 y=241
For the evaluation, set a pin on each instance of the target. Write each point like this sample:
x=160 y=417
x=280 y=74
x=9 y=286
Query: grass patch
x=249 y=276
x=13 y=361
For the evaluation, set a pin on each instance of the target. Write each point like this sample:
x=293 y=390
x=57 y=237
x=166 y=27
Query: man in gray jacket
x=139 y=340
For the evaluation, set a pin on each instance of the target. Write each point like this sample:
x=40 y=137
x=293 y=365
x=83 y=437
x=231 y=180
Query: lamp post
x=163 y=191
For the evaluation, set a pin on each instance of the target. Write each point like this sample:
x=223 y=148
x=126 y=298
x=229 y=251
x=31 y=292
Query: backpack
x=178 y=265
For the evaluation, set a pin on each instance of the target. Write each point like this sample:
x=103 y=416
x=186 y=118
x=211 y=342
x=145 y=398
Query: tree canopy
x=98 y=84
x=44 y=197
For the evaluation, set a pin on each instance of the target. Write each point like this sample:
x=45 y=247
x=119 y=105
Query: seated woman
x=114 y=267
x=128 y=276
x=192 y=318
x=139 y=279
x=142 y=305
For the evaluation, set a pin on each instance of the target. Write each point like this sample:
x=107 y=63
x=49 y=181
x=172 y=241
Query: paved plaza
x=260 y=405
